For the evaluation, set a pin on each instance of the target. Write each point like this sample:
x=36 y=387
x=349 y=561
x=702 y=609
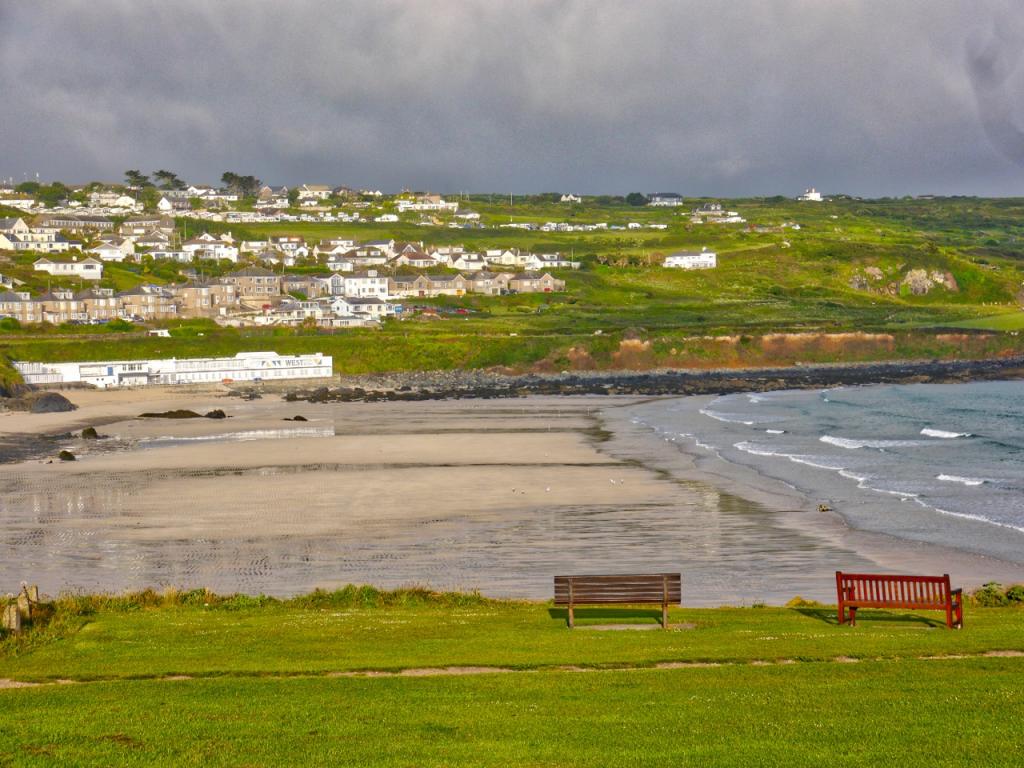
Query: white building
x=245 y=366
x=811 y=195
x=664 y=199
x=87 y=268
x=703 y=259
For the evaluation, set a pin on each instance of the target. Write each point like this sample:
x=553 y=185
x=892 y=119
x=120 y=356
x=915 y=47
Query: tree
x=636 y=198
x=293 y=197
x=168 y=180
x=136 y=178
x=246 y=186
x=149 y=197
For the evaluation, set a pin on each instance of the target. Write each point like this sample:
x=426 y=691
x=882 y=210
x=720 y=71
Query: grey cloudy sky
x=866 y=97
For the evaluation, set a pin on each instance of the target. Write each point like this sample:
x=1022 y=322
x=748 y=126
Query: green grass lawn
x=1009 y=321
x=871 y=714
x=245 y=682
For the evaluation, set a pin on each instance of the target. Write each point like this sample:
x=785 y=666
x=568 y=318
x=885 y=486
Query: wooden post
x=33 y=593
x=840 y=608
x=664 y=602
x=572 y=621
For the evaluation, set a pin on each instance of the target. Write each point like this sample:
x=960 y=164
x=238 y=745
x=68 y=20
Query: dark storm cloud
x=703 y=98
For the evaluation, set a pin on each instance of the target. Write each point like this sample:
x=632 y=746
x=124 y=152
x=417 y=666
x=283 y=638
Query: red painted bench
x=877 y=590
x=627 y=589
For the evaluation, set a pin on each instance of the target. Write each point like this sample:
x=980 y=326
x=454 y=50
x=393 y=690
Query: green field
x=366 y=678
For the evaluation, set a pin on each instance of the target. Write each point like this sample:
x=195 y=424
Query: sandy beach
x=471 y=494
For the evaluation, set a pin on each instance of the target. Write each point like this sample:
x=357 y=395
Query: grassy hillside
x=359 y=677
x=904 y=272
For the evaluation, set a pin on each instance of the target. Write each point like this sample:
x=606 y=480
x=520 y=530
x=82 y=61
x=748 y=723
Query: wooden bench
x=875 y=590
x=628 y=589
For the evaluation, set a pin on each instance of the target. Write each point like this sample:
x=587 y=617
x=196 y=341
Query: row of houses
x=143 y=303
x=255 y=289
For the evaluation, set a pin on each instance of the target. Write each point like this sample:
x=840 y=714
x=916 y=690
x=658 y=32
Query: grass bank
x=196 y=679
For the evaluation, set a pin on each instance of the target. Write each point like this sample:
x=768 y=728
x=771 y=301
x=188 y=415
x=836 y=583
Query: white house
x=314 y=192
x=703 y=259
x=386 y=218
x=372 y=307
x=109 y=251
x=87 y=268
x=545 y=261
x=366 y=285
x=811 y=195
x=664 y=199
x=571 y=198
x=206 y=246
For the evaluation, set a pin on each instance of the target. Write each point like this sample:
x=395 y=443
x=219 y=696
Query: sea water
x=910 y=460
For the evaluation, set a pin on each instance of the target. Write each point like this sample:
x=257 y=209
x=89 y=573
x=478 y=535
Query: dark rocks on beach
x=66 y=456
x=296 y=418
x=181 y=413
x=455 y=385
x=216 y=413
x=40 y=402
x=89 y=433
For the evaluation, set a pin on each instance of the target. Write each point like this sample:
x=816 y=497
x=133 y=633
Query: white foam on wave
x=852 y=444
x=969 y=516
x=775 y=431
x=962 y=480
x=725 y=417
x=238 y=437
x=943 y=434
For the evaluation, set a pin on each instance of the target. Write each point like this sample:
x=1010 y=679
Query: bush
x=1015 y=594
x=990 y=596
x=9 y=324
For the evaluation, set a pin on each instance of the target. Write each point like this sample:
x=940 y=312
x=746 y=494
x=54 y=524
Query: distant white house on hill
x=703 y=259
x=571 y=198
x=664 y=199
x=811 y=195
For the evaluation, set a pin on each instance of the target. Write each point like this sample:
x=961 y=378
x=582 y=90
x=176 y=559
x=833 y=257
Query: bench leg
x=841 y=610
x=853 y=616
x=572 y=619
x=960 y=614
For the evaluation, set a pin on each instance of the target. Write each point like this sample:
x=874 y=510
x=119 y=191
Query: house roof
x=253 y=272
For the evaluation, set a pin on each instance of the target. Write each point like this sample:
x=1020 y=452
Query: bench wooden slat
x=619 y=589
x=870 y=590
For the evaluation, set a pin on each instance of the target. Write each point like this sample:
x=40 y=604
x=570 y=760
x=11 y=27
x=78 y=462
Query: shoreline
x=433 y=385
x=577 y=468
x=797 y=510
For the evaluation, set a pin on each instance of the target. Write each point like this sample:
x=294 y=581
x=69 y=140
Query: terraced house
x=255 y=284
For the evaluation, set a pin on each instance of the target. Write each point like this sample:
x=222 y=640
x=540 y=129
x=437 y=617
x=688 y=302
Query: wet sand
x=471 y=494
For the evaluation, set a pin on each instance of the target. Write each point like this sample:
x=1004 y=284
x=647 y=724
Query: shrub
x=1015 y=594
x=990 y=596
